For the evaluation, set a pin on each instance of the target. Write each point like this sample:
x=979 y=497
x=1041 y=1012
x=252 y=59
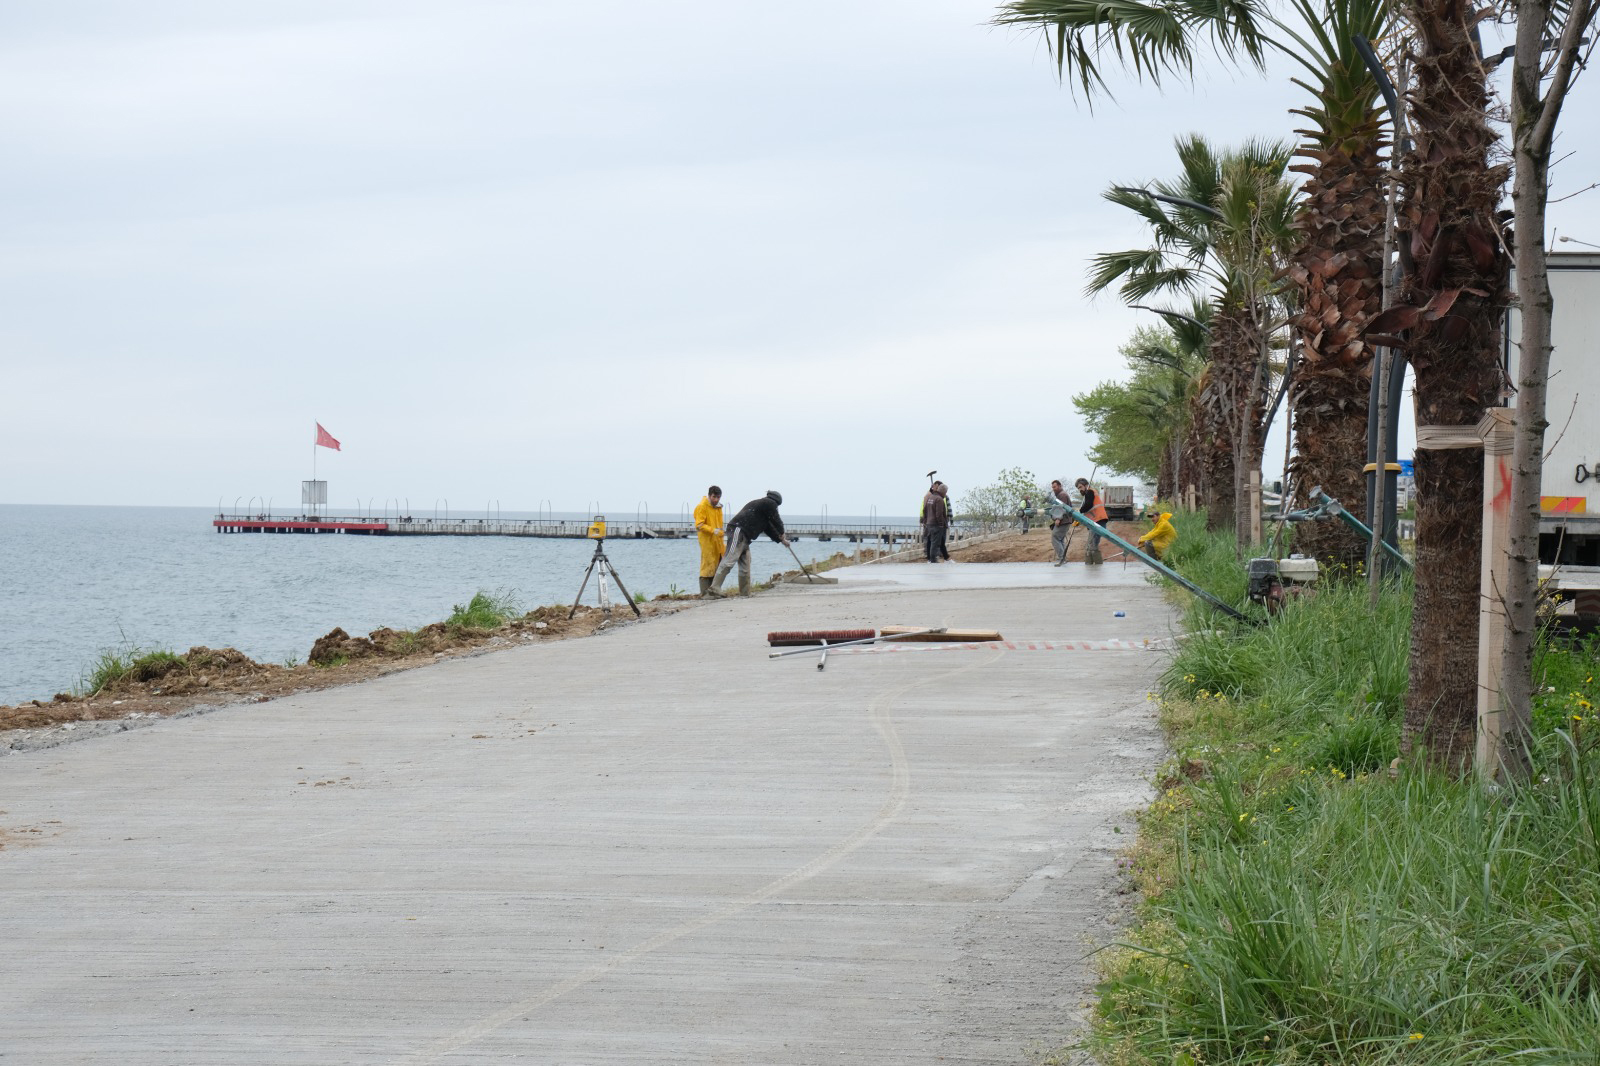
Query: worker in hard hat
x=708 y=522
x=1160 y=537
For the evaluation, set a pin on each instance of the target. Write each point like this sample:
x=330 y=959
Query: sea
x=79 y=581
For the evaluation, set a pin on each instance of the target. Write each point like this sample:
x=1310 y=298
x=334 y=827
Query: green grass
x=484 y=612
x=408 y=642
x=1303 y=906
x=128 y=664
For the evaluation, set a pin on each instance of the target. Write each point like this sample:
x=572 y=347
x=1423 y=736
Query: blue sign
x=1406 y=468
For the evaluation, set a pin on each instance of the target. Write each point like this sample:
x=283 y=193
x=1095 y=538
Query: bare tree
x=1551 y=49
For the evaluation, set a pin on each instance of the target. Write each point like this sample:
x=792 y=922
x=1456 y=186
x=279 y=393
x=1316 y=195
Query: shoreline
x=65 y=718
x=36 y=724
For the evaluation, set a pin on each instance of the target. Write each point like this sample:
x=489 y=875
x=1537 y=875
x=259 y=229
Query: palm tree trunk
x=1338 y=267
x=1236 y=357
x=1212 y=445
x=1452 y=300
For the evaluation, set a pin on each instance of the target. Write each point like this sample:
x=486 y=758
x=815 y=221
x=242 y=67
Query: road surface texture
x=654 y=845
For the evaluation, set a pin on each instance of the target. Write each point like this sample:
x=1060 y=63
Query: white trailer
x=1569 y=498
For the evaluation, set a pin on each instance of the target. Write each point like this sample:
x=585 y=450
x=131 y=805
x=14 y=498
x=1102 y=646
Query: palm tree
x=1337 y=264
x=1451 y=307
x=1217 y=230
x=1337 y=257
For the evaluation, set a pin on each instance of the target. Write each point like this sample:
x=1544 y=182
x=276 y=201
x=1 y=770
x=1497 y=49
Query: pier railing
x=629 y=529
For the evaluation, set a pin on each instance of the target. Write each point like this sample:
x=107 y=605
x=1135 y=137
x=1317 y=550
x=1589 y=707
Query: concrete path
x=654 y=845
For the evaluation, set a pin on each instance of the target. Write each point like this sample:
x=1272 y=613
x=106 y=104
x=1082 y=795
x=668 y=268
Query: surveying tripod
x=600 y=561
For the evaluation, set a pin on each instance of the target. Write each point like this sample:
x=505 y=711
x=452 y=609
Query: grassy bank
x=1302 y=905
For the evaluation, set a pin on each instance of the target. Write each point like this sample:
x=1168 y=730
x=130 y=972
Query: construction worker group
x=726 y=544
x=1092 y=506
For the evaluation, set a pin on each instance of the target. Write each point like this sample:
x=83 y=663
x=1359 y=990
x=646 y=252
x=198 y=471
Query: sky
x=517 y=257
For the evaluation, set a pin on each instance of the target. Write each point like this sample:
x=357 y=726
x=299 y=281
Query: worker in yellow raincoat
x=708 y=522
x=1160 y=537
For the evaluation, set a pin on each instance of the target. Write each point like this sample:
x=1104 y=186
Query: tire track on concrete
x=899 y=792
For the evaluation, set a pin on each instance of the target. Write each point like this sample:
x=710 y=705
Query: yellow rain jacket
x=709 y=522
x=1161 y=536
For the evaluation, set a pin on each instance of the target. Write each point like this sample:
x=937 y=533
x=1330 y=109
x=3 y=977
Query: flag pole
x=310 y=507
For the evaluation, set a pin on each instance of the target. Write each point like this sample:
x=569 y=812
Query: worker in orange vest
x=1094 y=509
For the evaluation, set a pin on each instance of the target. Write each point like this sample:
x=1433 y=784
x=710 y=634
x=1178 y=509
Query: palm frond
x=1149 y=39
x=1108 y=267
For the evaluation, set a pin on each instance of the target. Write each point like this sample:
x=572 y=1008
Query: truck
x=1569 y=493
x=1119 y=502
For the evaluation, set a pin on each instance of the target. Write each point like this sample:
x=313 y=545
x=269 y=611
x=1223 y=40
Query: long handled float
x=1157 y=565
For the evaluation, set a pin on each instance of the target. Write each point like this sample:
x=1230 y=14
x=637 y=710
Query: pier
x=889 y=533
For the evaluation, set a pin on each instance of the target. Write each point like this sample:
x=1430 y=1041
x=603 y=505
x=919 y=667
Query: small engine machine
x=1272 y=582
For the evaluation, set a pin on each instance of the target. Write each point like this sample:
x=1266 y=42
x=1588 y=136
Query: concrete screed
x=654 y=845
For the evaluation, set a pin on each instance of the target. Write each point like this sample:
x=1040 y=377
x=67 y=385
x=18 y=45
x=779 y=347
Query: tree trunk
x=1212 y=456
x=1452 y=300
x=1238 y=354
x=1167 y=472
x=1533 y=121
x=1218 y=485
x=1338 y=267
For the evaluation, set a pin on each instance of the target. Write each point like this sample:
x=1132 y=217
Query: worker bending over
x=754 y=519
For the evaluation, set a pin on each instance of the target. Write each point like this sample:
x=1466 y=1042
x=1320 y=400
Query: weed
x=130 y=664
x=291 y=661
x=330 y=663
x=484 y=612
x=408 y=642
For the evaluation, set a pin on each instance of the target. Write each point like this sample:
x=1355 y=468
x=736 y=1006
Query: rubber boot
x=744 y=585
x=705 y=585
x=1093 y=557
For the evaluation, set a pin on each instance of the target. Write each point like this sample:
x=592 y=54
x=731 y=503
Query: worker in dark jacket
x=756 y=518
x=936 y=522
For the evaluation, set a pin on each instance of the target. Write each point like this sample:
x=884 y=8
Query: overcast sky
x=517 y=254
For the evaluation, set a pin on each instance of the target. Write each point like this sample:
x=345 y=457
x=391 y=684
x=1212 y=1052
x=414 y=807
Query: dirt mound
x=1035 y=547
x=338 y=646
x=197 y=670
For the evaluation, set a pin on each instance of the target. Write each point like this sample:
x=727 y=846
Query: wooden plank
x=958 y=636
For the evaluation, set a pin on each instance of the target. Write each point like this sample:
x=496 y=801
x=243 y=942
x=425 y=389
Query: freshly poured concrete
x=654 y=845
x=922 y=575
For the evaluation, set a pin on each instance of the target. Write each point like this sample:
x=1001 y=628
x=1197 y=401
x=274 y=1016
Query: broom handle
x=847 y=643
x=803 y=569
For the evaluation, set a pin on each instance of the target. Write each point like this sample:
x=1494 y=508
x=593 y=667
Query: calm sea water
x=75 y=581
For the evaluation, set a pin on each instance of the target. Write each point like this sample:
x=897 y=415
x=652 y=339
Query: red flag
x=325 y=439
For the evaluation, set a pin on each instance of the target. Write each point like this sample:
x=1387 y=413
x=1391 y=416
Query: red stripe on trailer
x=273 y=523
